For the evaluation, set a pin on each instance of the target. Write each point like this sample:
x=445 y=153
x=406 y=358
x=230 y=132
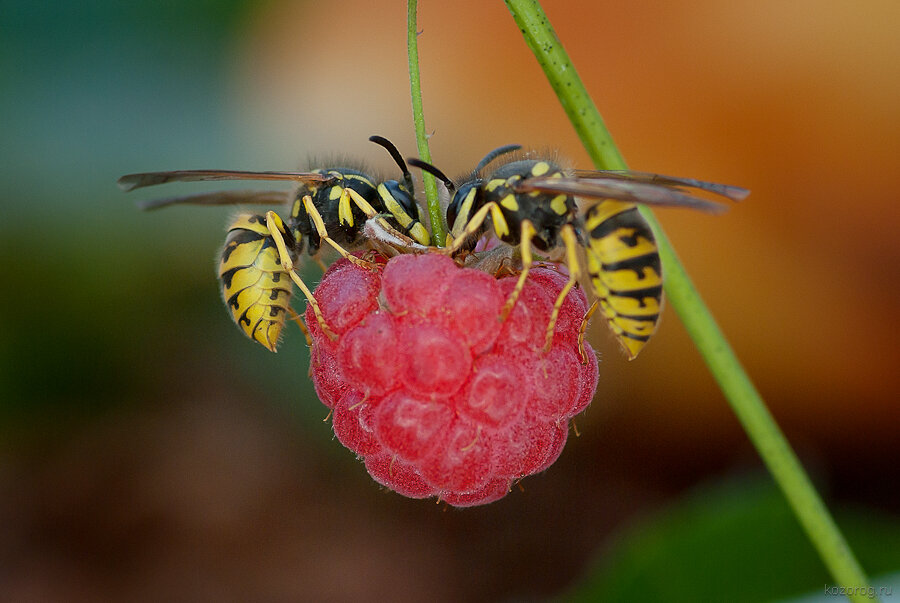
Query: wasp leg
x=276 y=228
x=302 y=325
x=323 y=234
x=345 y=215
x=583 y=328
x=528 y=232
x=571 y=243
x=501 y=228
x=299 y=320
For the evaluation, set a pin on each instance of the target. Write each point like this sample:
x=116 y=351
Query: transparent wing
x=735 y=193
x=130 y=182
x=219 y=198
x=621 y=189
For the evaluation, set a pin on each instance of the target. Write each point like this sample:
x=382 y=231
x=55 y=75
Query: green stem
x=438 y=232
x=724 y=365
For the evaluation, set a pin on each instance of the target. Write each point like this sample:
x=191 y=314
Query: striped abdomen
x=255 y=288
x=624 y=265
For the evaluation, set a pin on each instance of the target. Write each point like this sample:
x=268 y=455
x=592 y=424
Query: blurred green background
x=149 y=451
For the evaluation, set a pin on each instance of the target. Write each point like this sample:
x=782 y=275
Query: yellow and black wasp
x=532 y=202
x=330 y=204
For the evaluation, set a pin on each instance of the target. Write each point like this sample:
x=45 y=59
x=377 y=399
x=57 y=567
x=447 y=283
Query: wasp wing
x=219 y=198
x=620 y=190
x=130 y=182
x=735 y=193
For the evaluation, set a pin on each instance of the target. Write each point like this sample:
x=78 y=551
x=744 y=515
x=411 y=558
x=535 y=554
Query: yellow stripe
x=493 y=184
x=633 y=307
x=360 y=179
x=420 y=234
x=540 y=168
x=558 y=205
x=603 y=211
x=240 y=255
x=510 y=203
x=394 y=207
x=501 y=228
x=345 y=212
x=465 y=211
x=643 y=328
x=243 y=278
x=611 y=248
x=628 y=280
x=247 y=222
x=632 y=346
x=268 y=261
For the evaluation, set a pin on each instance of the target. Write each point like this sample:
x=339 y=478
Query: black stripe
x=644 y=338
x=637 y=264
x=273 y=312
x=232 y=301
x=649 y=318
x=228 y=275
x=252 y=219
x=243 y=235
x=274 y=293
x=269 y=243
x=239 y=237
x=639 y=294
x=630 y=218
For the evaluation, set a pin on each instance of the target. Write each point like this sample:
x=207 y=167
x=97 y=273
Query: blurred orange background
x=797 y=102
x=207 y=470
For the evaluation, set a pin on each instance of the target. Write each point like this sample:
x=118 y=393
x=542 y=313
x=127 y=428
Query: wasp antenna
x=395 y=154
x=509 y=148
x=427 y=167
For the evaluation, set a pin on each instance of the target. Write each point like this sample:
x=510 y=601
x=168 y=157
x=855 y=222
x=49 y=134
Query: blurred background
x=149 y=451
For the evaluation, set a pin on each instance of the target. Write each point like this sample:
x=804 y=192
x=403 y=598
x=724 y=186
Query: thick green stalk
x=438 y=233
x=724 y=365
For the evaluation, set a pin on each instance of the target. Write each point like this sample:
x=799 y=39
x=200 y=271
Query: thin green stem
x=438 y=232
x=723 y=364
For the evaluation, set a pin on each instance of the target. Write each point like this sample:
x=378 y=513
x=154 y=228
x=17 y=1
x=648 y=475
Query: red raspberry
x=437 y=395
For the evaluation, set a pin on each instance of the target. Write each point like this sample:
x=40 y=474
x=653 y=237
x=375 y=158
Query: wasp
x=256 y=265
x=532 y=202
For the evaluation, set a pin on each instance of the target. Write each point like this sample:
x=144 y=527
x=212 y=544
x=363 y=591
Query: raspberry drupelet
x=433 y=391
